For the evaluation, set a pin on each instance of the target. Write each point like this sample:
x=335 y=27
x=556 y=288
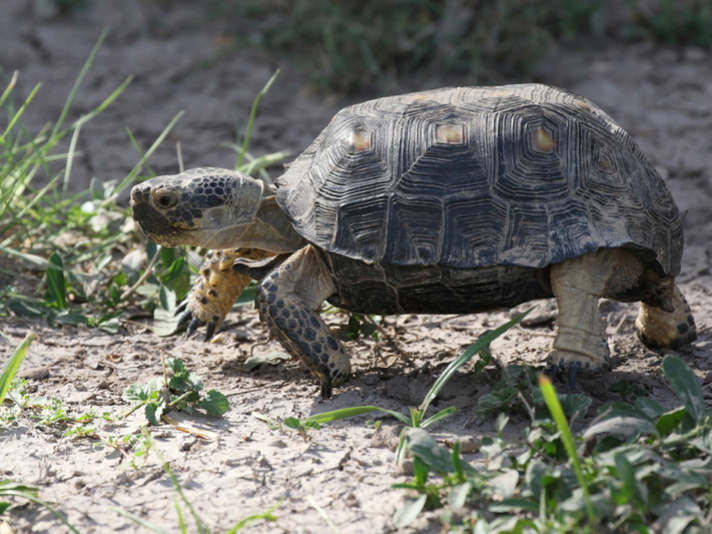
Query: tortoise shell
x=469 y=193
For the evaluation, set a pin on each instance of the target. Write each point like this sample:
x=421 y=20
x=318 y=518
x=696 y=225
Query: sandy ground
x=663 y=97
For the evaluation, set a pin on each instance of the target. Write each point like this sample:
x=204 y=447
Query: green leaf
x=505 y=484
x=178 y=383
x=167 y=297
x=135 y=394
x=650 y=407
x=247 y=296
x=622 y=426
x=533 y=477
x=72 y=319
x=13 y=365
x=292 y=422
x=215 y=403
x=458 y=494
x=409 y=511
x=420 y=471
x=515 y=504
x=110 y=326
x=154 y=411
x=685 y=383
x=424 y=446
x=273 y=424
x=575 y=405
x=25 y=309
x=139 y=393
x=669 y=421
x=335 y=415
x=173 y=271
x=675 y=516
x=176 y=365
x=55 y=280
x=626 y=474
x=622 y=409
x=164 y=322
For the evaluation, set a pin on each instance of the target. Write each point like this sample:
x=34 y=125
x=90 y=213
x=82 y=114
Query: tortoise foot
x=213 y=294
x=659 y=329
x=571 y=365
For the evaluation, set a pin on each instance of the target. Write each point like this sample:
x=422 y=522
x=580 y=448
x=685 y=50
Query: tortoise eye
x=166 y=201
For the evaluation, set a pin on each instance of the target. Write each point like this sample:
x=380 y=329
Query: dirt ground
x=662 y=96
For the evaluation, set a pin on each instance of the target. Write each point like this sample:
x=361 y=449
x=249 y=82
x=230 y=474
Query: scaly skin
x=659 y=329
x=581 y=344
x=214 y=293
x=287 y=300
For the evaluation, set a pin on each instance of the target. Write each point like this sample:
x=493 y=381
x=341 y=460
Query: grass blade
x=10 y=489
x=267 y=516
x=139 y=520
x=323 y=514
x=552 y=402
x=440 y=415
x=482 y=343
x=9 y=87
x=250 y=123
x=13 y=364
x=55 y=280
x=19 y=113
x=335 y=415
x=137 y=168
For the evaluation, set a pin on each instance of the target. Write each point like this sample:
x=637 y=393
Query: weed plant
x=352 y=46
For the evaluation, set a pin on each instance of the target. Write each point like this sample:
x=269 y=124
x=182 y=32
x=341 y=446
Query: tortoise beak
x=153 y=223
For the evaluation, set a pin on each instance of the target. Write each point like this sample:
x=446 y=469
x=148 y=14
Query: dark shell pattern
x=468 y=193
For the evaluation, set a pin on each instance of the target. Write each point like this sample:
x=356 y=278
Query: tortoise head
x=207 y=207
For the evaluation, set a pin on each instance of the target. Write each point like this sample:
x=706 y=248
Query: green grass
x=637 y=468
x=417 y=416
x=352 y=46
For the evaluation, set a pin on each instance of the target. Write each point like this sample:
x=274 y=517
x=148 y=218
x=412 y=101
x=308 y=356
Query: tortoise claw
x=574 y=369
x=210 y=331
x=325 y=388
x=181 y=308
x=192 y=327
x=184 y=319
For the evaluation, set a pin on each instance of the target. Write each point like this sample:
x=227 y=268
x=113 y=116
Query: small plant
x=181 y=501
x=8 y=488
x=636 y=466
x=301 y=426
x=181 y=392
x=416 y=418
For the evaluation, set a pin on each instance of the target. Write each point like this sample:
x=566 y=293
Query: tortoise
x=454 y=200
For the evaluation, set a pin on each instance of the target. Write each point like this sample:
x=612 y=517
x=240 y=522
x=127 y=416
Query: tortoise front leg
x=214 y=293
x=287 y=300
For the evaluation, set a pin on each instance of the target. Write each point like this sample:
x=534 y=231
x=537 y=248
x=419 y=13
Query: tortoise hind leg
x=287 y=300
x=659 y=329
x=581 y=343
